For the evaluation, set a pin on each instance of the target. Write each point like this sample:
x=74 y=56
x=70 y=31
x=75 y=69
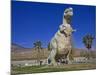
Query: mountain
x=18 y=48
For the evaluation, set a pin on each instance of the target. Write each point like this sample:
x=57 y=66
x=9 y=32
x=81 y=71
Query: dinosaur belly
x=64 y=45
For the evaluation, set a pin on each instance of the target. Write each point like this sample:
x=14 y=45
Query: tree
x=88 y=40
x=38 y=47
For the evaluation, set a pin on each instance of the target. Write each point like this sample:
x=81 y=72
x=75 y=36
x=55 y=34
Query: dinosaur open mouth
x=68 y=18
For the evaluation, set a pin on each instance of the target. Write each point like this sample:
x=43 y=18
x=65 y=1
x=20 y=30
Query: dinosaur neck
x=64 y=21
x=67 y=20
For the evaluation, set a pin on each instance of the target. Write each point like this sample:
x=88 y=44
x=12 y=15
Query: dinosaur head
x=68 y=13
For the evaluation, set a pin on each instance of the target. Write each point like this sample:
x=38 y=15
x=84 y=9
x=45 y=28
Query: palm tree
x=38 y=47
x=35 y=45
x=88 y=40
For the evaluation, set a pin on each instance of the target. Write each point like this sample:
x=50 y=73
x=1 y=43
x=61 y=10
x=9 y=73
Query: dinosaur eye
x=66 y=11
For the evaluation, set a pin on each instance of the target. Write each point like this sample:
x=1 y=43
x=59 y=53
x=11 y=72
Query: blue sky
x=32 y=21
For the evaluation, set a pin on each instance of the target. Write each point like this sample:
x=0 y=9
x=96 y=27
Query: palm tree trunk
x=89 y=55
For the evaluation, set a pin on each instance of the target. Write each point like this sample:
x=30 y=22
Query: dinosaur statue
x=61 y=42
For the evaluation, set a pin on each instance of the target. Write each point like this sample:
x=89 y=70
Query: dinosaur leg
x=68 y=57
x=52 y=57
